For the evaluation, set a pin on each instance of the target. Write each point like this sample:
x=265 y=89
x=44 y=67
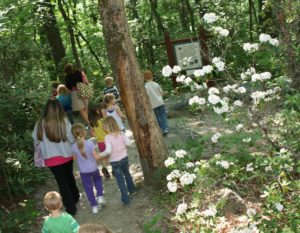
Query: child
x=110 y=88
x=86 y=156
x=97 y=131
x=111 y=109
x=54 y=92
x=116 y=143
x=155 y=94
x=94 y=228
x=64 y=97
x=57 y=221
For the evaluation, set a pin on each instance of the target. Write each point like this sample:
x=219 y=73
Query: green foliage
x=20 y=219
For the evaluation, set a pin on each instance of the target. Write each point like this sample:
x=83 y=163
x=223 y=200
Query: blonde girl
x=57 y=221
x=112 y=109
x=86 y=156
x=97 y=131
x=116 y=144
x=52 y=133
x=64 y=97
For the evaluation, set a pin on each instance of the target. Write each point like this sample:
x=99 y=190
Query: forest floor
x=143 y=207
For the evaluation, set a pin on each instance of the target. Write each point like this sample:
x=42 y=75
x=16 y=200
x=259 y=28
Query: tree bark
x=71 y=33
x=53 y=34
x=286 y=39
x=250 y=20
x=149 y=140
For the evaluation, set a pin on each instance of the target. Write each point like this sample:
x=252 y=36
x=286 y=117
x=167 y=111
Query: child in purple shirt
x=87 y=157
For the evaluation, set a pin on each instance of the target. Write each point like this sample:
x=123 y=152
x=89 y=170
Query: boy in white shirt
x=155 y=94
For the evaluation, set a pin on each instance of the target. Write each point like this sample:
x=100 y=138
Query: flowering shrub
x=263 y=166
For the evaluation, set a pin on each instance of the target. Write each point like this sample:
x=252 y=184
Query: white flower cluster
x=210 y=212
x=250 y=48
x=180 y=153
x=264 y=95
x=224 y=164
x=261 y=77
x=249 y=167
x=181 y=208
x=247 y=140
x=279 y=206
x=229 y=88
x=221 y=31
x=172 y=186
x=218 y=63
x=264 y=38
x=197 y=100
x=249 y=72
x=215 y=137
x=167 y=70
x=187 y=178
x=222 y=108
x=210 y=17
x=213 y=91
x=238 y=103
x=202 y=72
x=239 y=127
x=169 y=161
x=251 y=212
x=173 y=175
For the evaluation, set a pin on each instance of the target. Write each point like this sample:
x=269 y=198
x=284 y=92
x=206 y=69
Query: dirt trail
x=131 y=218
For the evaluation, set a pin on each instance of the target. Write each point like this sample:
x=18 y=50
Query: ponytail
x=80 y=144
x=78 y=132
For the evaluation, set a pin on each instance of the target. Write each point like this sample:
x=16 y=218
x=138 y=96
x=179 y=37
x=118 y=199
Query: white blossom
x=197 y=100
x=249 y=167
x=181 y=209
x=264 y=38
x=217 y=156
x=213 y=99
x=266 y=75
x=180 y=78
x=238 y=103
x=239 y=127
x=247 y=139
x=180 y=153
x=167 y=71
x=224 y=164
x=255 y=77
x=173 y=175
x=176 y=69
x=172 y=186
x=199 y=73
x=207 y=69
x=268 y=168
x=187 y=81
x=223 y=108
x=258 y=95
x=169 y=161
x=189 y=165
x=220 y=65
x=241 y=90
x=210 y=212
x=187 y=178
x=274 y=42
x=213 y=91
x=215 y=137
x=279 y=207
x=210 y=17
x=248 y=47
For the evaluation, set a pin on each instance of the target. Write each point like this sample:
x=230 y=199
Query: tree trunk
x=250 y=20
x=286 y=39
x=53 y=34
x=149 y=140
x=71 y=33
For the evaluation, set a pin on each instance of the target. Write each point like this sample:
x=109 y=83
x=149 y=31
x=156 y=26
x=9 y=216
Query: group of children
x=106 y=125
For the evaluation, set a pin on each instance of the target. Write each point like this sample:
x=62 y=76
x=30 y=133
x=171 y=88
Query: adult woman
x=53 y=134
x=74 y=76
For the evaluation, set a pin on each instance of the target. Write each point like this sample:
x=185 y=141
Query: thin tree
x=122 y=57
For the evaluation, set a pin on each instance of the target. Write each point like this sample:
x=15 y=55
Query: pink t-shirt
x=116 y=146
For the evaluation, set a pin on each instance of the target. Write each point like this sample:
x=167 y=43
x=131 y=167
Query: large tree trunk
x=53 y=34
x=149 y=140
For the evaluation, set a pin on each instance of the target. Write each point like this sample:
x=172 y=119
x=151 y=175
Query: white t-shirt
x=154 y=92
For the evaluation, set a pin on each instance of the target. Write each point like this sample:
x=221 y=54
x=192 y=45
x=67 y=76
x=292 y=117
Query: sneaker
x=105 y=172
x=94 y=209
x=101 y=200
x=165 y=132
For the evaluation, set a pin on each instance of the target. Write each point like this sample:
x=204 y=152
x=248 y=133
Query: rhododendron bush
x=260 y=114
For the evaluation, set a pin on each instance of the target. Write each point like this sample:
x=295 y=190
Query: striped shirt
x=114 y=90
x=63 y=223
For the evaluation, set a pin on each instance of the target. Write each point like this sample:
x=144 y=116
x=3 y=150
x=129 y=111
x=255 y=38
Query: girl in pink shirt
x=116 y=144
